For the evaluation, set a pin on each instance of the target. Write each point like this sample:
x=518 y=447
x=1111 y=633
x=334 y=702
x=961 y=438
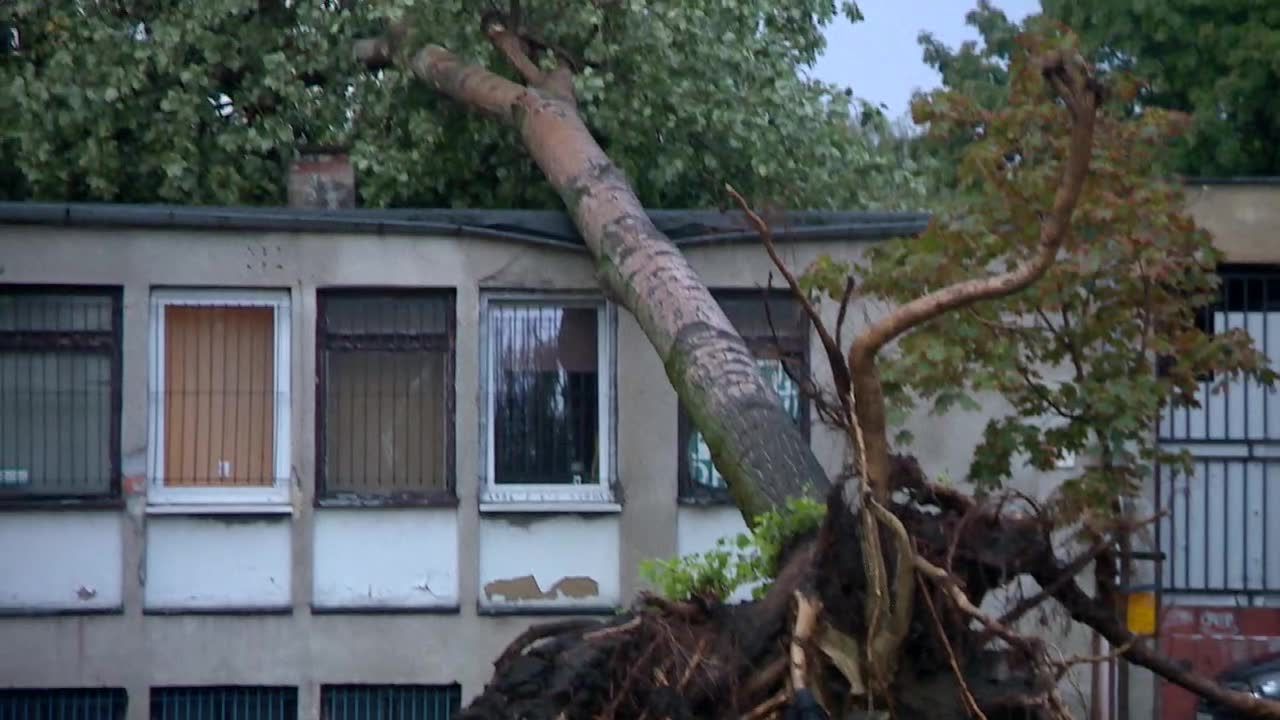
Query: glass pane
x=387 y=314
x=220 y=396
x=546 y=390
x=53 y=312
x=701 y=470
x=55 y=423
x=385 y=421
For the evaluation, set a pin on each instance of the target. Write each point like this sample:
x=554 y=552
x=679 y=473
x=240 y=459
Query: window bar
x=1226 y=523
x=1244 y=510
x=1204 y=555
x=1248 y=299
x=1266 y=542
x=1184 y=537
x=1266 y=349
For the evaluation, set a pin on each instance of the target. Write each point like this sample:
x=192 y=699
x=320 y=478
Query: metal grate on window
x=545 y=392
x=63 y=704
x=59 y=392
x=389 y=702
x=385 y=401
x=224 y=703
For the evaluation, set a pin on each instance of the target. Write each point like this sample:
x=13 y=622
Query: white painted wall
x=61 y=560
x=217 y=563
x=699 y=528
x=550 y=549
x=386 y=558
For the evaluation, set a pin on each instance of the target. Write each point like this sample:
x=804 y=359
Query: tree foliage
x=1213 y=61
x=154 y=100
x=1089 y=357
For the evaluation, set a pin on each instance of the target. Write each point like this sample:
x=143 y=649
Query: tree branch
x=839 y=370
x=1086 y=610
x=1081 y=95
x=513 y=50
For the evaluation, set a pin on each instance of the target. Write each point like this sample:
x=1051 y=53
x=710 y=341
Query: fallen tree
x=877 y=608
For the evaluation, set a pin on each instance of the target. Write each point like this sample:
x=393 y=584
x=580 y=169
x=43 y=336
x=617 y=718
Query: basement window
x=390 y=702
x=220 y=702
x=64 y=703
x=548 y=389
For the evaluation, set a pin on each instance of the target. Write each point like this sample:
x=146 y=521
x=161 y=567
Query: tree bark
x=755 y=445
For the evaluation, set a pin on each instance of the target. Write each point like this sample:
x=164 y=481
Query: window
x=389 y=702
x=385 y=400
x=548 y=391
x=63 y=703
x=59 y=393
x=221 y=702
x=699 y=479
x=219 y=397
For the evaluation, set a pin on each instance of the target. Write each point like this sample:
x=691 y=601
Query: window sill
x=549 y=506
x=549 y=499
x=387 y=501
x=503 y=610
x=706 y=500
x=219 y=509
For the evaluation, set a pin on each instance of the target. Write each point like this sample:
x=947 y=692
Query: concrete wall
x=147 y=594
x=135 y=596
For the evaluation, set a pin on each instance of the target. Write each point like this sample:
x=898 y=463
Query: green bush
x=744 y=559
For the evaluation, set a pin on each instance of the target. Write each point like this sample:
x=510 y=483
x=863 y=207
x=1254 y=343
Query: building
x=318 y=462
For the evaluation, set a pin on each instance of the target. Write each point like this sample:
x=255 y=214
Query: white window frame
x=535 y=497
x=278 y=493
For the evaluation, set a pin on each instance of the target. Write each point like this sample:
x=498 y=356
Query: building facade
x=307 y=464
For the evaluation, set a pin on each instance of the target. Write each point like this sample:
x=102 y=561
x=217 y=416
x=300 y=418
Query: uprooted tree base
x=703 y=659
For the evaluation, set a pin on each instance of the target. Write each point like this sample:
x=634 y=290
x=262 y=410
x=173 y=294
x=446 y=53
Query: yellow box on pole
x=1141 y=614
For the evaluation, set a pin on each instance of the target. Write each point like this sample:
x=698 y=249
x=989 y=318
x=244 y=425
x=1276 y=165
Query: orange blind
x=219 y=384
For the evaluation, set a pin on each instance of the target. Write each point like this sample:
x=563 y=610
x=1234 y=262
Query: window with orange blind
x=220 y=397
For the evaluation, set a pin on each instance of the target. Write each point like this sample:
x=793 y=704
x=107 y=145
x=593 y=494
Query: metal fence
x=389 y=702
x=1217 y=535
x=63 y=704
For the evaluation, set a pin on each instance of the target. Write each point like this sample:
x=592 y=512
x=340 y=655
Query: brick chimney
x=322 y=179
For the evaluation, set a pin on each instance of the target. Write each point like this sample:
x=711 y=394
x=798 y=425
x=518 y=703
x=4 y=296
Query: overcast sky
x=879 y=57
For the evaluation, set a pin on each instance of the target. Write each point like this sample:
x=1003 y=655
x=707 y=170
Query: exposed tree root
x=806 y=639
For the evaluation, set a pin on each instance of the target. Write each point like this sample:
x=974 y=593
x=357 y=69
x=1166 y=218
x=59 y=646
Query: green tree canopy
x=1216 y=61
x=1090 y=357
x=154 y=100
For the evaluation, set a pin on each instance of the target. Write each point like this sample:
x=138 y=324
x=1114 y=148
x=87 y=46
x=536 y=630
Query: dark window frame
x=325 y=341
x=792 y=348
x=107 y=343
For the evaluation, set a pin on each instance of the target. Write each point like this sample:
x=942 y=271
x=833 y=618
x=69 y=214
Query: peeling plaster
x=526 y=588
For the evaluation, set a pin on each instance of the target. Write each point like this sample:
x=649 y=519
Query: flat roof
x=684 y=227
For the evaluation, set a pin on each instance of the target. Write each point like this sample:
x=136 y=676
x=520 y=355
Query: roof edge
x=545 y=227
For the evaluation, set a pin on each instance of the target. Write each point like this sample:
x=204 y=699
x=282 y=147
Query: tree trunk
x=755 y=445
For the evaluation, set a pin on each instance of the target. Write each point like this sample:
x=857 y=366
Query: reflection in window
x=545 y=393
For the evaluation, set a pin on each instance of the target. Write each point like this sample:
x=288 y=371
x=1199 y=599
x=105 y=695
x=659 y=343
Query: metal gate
x=1220 y=577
